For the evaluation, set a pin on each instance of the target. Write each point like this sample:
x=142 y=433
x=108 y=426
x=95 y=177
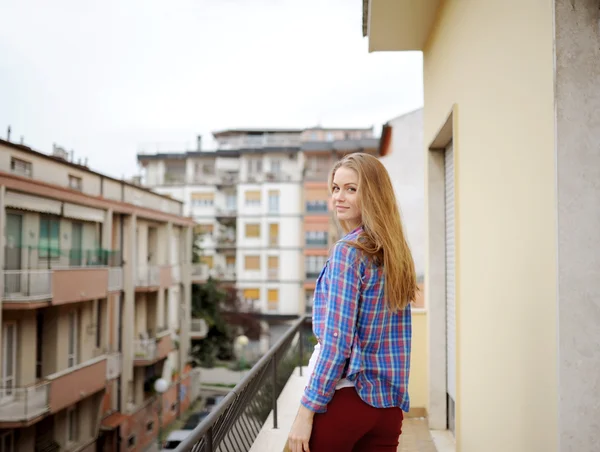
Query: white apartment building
x=260 y=203
x=246 y=200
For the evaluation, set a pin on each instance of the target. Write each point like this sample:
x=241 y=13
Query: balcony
x=149 y=351
x=148 y=277
x=198 y=329
x=225 y=212
x=115 y=279
x=200 y=272
x=174 y=178
x=226 y=242
x=114 y=366
x=249 y=406
x=26 y=286
x=20 y=406
x=316 y=243
x=71 y=385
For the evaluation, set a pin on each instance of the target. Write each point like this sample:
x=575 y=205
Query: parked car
x=213 y=401
x=195 y=419
x=174 y=439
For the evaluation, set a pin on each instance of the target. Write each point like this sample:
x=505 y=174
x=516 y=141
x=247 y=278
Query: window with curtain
x=252 y=262
x=49 y=242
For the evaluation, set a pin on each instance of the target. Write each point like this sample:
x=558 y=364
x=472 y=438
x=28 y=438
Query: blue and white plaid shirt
x=352 y=322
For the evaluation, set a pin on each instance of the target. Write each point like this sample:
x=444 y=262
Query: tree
x=226 y=316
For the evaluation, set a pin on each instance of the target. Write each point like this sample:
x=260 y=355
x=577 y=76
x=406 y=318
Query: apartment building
x=321 y=149
x=260 y=202
x=96 y=294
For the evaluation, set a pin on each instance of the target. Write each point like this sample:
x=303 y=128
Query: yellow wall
x=494 y=60
x=418 y=382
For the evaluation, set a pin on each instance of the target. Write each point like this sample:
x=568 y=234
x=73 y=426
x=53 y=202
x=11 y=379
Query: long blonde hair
x=382 y=239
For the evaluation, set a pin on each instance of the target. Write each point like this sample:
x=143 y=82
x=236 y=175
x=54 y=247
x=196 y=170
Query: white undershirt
x=343 y=383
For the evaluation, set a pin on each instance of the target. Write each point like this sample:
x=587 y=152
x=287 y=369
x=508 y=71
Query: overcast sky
x=106 y=78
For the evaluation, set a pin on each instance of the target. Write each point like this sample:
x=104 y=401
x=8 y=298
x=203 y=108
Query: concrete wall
x=493 y=61
x=578 y=182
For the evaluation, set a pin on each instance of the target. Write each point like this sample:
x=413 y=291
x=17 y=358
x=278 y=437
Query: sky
x=108 y=79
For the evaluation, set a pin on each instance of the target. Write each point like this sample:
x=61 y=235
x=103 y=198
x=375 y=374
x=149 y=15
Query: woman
x=358 y=383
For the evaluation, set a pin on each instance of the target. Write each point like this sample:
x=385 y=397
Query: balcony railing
x=310 y=274
x=27 y=285
x=226 y=242
x=48 y=257
x=235 y=423
x=23 y=404
x=148 y=276
x=115 y=279
x=315 y=243
x=200 y=272
x=144 y=349
x=226 y=211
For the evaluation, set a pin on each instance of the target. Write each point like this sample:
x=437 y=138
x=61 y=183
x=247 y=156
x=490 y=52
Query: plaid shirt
x=356 y=329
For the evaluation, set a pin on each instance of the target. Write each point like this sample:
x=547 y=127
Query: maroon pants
x=351 y=425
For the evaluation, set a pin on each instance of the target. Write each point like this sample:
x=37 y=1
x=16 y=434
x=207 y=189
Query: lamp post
x=160 y=386
x=242 y=342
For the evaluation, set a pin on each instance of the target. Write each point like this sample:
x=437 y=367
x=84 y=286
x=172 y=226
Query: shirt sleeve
x=344 y=288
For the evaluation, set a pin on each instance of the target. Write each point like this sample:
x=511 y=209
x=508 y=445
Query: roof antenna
x=8 y=134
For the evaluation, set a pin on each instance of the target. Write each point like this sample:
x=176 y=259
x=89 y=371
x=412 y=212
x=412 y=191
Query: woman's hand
x=301 y=430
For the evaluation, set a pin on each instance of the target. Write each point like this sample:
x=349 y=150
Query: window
x=252 y=230
x=9 y=360
x=75 y=182
x=252 y=198
x=313 y=265
x=204 y=229
x=73 y=338
x=203 y=199
x=7 y=441
x=254 y=166
x=131 y=441
x=252 y=294
x=231 y=202
x=252 y=262
x=273 y=234
x=273 y=200
x=276 y=166
x=273 y=299
x=98 y=323
x=207 y=260
x=49 y=243
x=20 y=167
x=316 y=206
x=149 y=426
x=72 y=425
x=316 y=238
x=273 y=265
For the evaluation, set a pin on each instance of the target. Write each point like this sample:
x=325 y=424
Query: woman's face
x=345 y=196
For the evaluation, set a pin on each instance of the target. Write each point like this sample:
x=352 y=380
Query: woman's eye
x=335 y=189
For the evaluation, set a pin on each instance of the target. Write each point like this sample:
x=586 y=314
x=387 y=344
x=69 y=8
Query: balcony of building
x=198 y=329
x=35 y=276
x=151 y=278
x=22 y=406
x=201 y=273
x=150 y=350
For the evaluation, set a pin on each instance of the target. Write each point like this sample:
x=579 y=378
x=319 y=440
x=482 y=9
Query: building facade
x=261 y=204
x=511 y=157
x=96 y=287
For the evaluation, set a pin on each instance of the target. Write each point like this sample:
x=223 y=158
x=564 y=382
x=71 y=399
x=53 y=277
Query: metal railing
x=49 y=257
x=200 y=271
x=144 y=349
x=22 y=404
x=115 y=278
x=235 y=423
x=148 y=276
x=27 y=285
